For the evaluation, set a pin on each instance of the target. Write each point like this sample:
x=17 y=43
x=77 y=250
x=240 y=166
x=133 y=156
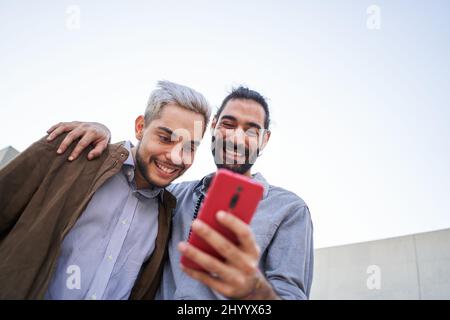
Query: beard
x=142 y=166
x=235 y=166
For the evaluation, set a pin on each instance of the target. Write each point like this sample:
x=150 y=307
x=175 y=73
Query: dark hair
x=246 y=93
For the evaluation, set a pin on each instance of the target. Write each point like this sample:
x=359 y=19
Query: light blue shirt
x=283 y=230
x=103 y=253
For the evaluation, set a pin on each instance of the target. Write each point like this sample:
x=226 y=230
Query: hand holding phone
x=231 y=192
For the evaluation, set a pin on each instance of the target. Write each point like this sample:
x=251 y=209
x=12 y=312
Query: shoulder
x=178 y=189
x=285 y=196
x=41 y=152
x=287 y=204
x=45 y=145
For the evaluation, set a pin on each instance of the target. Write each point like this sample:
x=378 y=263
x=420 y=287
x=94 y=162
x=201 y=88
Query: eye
x=164 y=139
x=252 y=132
x=227 y=125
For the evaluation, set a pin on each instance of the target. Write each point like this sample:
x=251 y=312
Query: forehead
x=179 y=119
x=244 y=110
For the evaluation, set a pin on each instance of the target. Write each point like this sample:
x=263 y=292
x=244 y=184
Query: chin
x=161 y=183
x=237 y=168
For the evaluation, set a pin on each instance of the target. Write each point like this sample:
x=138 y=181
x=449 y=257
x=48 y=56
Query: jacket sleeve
x=290 y=256
x=20 y=179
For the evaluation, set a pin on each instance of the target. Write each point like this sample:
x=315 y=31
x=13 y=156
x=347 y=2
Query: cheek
x=252 y=144
x=189 y=161
x=143 y=155
x=221 y=133
x=150 y=148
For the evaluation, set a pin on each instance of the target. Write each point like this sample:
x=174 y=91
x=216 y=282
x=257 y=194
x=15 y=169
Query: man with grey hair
x=73 y=230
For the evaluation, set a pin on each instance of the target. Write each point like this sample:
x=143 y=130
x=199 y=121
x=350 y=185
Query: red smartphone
x=231 y=192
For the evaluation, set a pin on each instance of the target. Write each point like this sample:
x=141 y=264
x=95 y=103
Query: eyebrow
x=250 y=123
x=167 y=130
x=195 y=143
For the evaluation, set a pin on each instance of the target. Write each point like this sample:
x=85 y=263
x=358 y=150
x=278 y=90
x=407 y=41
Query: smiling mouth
x=231 y=151
x=167 y=169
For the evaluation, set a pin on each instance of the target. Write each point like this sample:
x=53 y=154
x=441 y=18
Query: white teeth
x=165 y=169
x=239 y=151
x=231 y=152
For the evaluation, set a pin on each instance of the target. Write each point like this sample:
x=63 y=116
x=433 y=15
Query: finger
x=208 y=280
x=57 y=132
x=70 y=137
x=62 y=128
x=242 y=230
x=207 y=262
x=98 y=150
x=234 y=255
x=54 y=127
x=85 y=141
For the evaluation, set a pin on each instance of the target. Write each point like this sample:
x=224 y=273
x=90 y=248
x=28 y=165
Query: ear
x=265 y=139
x=213 y=125
x=139 y=125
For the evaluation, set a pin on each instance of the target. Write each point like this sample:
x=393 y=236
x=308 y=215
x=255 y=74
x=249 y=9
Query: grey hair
x=185 y=97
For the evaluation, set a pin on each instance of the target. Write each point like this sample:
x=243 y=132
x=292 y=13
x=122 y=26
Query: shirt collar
x=130 y=160
x=203 y=184
x=129 y=168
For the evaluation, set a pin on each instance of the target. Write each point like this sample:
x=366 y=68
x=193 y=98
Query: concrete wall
x=6 y=155
x=410 y=267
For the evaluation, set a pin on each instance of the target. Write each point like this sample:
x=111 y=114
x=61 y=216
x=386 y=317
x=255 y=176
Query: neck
x=248 y=173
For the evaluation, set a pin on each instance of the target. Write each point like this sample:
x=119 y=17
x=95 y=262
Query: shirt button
x=110 y=258
x=94 y=297
x=124 y=222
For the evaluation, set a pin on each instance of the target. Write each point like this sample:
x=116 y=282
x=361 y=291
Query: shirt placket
x=106 y=267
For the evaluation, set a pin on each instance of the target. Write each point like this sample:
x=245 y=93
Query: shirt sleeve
x=289 y=260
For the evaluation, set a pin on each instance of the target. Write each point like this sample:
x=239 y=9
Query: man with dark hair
x=274 y=258
x=251 y=96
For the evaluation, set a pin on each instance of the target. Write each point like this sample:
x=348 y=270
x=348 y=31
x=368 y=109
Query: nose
x=178 y=156
x=237 y=136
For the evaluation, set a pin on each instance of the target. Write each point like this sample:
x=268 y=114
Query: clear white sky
x=360 y=116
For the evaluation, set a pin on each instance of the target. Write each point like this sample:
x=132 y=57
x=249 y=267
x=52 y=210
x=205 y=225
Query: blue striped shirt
x=283 y=230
